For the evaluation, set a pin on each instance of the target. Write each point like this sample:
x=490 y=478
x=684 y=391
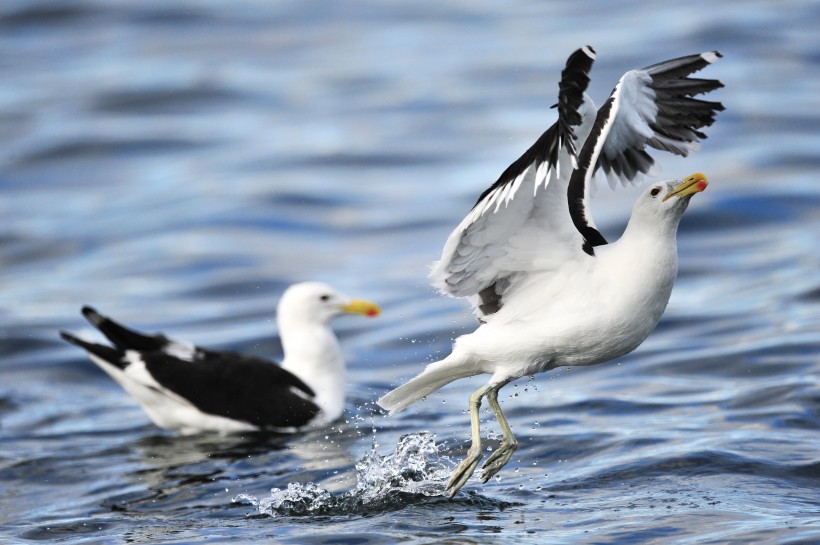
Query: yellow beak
x=695 y=183
x=358 y=306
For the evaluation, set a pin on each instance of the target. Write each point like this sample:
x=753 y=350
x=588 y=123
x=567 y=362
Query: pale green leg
x=467 y=467
x=506 y=448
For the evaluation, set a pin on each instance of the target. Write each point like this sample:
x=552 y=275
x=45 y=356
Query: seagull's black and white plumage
x=546 y=287
x=189 y=389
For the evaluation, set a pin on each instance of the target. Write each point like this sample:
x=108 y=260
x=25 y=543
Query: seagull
x=189 y=389
x=546 y=287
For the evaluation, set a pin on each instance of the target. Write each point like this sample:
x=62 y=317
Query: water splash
x=415 y=468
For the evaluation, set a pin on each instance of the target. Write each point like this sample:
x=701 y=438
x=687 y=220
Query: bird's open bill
x=695 y=183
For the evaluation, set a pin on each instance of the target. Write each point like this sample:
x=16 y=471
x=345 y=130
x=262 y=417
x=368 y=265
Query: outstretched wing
x=524 y=221
x=652 y=107
x=501 y=236
x=656 y=107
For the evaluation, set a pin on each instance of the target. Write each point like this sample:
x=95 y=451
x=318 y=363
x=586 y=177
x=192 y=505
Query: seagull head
x=316 y=302
x=663 y=203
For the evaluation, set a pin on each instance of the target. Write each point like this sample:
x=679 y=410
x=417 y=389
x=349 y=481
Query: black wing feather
x=571 y=88
x=104 y=352
x=236 y=386
x=681 y=66
x=121 y=336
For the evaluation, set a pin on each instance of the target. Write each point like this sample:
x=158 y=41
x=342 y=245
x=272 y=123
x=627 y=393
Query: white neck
x=313 y=354
x=645 y=258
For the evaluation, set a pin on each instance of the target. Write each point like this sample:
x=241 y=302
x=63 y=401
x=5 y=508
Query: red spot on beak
x=702 y=185
x=372 y=312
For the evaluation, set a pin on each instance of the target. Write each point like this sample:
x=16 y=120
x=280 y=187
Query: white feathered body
x=581 y=313
x=577 y=315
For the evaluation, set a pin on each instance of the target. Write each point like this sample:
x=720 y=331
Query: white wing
x=502 y=234
x=524 y=222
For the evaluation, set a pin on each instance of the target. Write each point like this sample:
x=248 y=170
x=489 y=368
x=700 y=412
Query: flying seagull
x=190 y=389
x=546 y=287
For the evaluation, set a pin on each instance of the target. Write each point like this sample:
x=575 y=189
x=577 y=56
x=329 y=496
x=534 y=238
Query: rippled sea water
x=178 y=164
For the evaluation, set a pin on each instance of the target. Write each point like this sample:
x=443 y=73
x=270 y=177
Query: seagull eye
x=325 y=298
x=655 y=191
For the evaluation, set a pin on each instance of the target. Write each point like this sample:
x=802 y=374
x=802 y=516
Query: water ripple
x=414 y=473
x=179 y=165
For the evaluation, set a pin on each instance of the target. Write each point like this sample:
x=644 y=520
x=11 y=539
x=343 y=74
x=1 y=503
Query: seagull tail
x=435 y=376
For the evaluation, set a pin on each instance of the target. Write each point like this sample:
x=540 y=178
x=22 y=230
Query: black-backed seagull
x=190 y=389
x=546 y=287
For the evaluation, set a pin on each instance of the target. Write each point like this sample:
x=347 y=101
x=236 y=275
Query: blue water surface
x=177 y=165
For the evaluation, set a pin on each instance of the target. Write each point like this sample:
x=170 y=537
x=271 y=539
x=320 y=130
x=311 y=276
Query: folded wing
x=237 y=386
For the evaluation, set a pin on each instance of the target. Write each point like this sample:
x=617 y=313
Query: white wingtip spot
x=588 y=51
x=711 y=56
x=181 y=350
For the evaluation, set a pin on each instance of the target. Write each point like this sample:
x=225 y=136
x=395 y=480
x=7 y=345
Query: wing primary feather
x=120 y=335
x=106 y=353
x=683 y=66
x=571 y=88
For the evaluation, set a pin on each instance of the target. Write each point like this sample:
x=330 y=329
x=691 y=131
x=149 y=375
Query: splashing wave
x=414 y=469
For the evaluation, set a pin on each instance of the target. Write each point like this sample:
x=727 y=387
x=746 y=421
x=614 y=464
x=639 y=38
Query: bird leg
x=505 y=450
x=467 y=466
